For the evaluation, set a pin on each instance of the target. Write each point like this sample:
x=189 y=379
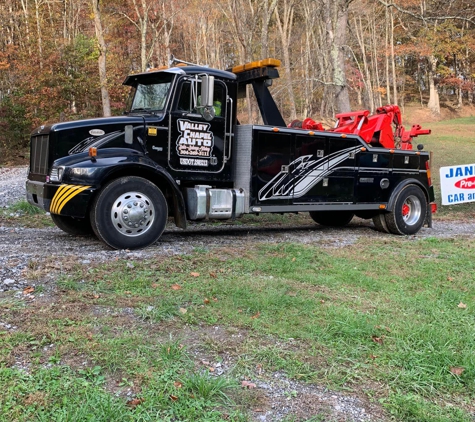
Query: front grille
x=39 y=154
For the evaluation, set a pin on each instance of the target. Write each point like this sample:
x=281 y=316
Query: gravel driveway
x=21 y=246
x=24 y=248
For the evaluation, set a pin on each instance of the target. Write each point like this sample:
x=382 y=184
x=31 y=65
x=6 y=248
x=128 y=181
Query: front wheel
x=409 y=212
x=73 y=226
x=332 y=218
x=129 y=213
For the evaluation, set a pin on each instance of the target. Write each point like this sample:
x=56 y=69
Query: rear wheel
x=129 y=213
x=332 y=218
x=73 y=226
x=379 y=222
x=409 y=212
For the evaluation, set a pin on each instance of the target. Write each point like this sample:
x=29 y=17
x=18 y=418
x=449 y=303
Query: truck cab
x=179 y=151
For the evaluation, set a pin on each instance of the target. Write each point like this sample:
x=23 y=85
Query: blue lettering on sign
x=456 y=197
x=460 y=171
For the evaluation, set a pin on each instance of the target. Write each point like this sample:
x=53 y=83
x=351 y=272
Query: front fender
x=112 y=163
x=64 y=199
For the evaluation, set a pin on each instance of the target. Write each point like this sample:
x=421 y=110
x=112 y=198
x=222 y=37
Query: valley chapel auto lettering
x=195 y=139
x=457 y=184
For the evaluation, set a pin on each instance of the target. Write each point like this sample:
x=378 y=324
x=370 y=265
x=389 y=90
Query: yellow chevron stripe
x=72 y=195
x=60 y=194
x=57 y=195
x=69 y=193
x=63 y=195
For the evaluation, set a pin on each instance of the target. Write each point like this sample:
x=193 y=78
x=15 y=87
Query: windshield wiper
x=141 y=109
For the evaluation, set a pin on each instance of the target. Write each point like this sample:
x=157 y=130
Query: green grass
x=24 y=207
x=385 y=320
x=24 y=214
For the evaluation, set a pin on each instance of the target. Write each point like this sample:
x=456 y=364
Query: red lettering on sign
x=468 y=183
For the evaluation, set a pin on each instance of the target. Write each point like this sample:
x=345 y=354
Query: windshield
x=151 y=94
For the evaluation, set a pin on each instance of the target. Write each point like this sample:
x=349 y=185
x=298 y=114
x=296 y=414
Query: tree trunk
x=336 y=19
x=38 y=30
x=24 y=5
x=387 y=36
x=393 y=61
x=285 y=30
x=106 y=108
x=434 y=104
x=360 y=35
x=267 y=11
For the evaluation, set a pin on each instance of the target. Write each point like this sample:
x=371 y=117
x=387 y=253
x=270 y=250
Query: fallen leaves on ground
x=248 y=384
x=175 y=287
x=462 y=305
x=194 y=274
x=457 y=370
x=135 y=402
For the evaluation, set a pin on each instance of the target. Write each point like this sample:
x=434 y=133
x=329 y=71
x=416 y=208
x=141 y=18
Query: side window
x=186 y=103
x=219 y=100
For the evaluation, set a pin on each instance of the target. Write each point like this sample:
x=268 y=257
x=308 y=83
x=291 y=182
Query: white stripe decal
x=305 y=175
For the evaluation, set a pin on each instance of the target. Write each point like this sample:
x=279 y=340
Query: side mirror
x=207 y=90
x=129 y=134
x=207 y=97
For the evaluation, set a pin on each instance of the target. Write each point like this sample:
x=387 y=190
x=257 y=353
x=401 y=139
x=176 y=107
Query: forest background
x=66 y=59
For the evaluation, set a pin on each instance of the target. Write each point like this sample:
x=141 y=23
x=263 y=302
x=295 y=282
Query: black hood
x=69 y=137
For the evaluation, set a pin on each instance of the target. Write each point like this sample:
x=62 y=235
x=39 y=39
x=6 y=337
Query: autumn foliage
x=393 y=53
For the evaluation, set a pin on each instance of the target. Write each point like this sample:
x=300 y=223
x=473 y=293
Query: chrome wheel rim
x=411 y=210
x=132 y=214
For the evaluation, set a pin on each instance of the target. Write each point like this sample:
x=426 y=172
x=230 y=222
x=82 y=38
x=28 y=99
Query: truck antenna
x=174 y=60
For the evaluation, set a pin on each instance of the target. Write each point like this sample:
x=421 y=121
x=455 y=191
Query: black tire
x=129 y=213
x=332 y=218
x=410 y=209
x=379 y=222
x=73 y=226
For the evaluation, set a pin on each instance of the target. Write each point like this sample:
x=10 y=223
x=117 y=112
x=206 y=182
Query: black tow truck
x=180 y=151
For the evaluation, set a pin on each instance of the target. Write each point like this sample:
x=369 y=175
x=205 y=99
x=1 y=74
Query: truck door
x=197 y=144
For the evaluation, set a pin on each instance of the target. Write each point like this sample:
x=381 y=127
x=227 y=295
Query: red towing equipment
x=383 y=129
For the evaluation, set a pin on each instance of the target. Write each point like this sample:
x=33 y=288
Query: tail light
x=429 y=179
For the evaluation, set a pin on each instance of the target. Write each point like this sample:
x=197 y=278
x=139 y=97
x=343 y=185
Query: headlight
x=56 y=174
x=81 y=171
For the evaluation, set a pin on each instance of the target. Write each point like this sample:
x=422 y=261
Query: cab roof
x=180 y=70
